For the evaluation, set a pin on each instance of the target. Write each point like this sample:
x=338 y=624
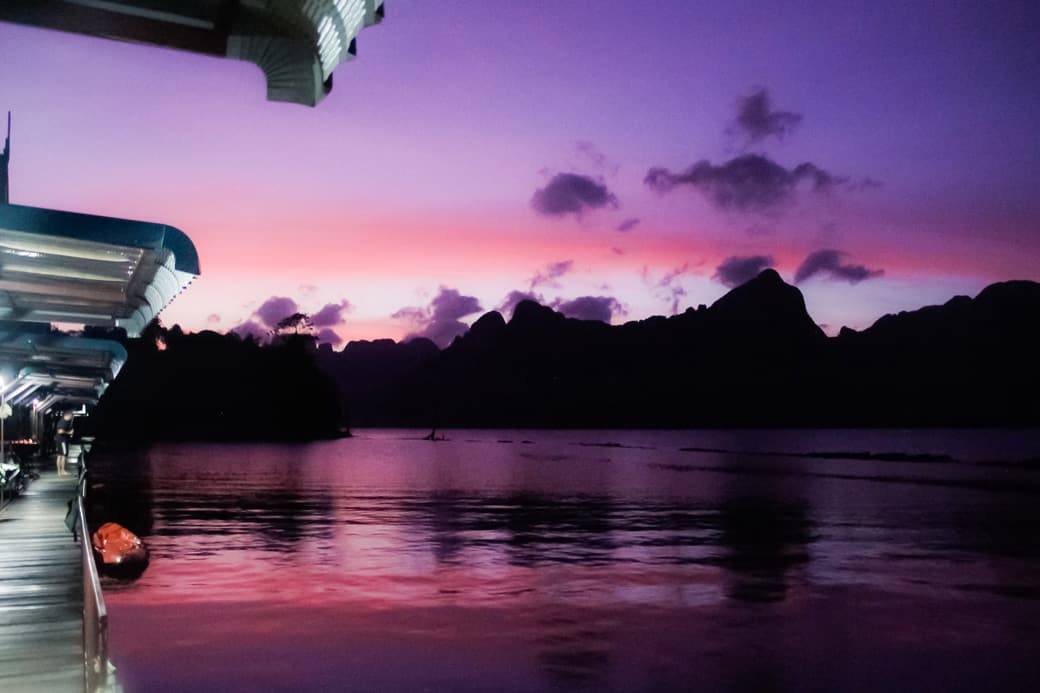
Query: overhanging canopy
x=51 y=367
x=297 y=43
x=83 y=269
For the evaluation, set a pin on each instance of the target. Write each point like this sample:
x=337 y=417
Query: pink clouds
x=331 y=314
x=275 y=308
x=264 y=320
x=440 y=321
x=426 y=177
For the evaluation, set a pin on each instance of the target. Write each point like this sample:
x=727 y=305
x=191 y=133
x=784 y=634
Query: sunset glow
x=443 y=156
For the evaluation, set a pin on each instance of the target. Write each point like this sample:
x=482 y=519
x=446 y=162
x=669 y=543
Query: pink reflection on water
x=577 y=561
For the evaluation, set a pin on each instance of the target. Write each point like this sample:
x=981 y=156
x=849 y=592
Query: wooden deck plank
x=41 y=591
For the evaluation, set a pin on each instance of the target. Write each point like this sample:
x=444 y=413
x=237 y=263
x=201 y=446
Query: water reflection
x=445 y=528
x=759 y=540
x=544 y=528
x=126 y=497
x=596 y=568
x=575 y=653
x=765 y=539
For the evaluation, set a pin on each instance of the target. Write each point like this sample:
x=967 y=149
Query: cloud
x=274 y=309
x=828 y=263
x=440 y=321
x=442 y=333
x=263 y=321
x=449 y=304
x=413 y=314
x=329 y=336
x=600 y=308
x=552 y=272
x=668 y=286
x=514 y=297
x=747 y=183
x=251 y=328
x=331 y=314
x=212 y=319
x=588 y=153
x=628 y=224
x=757 y=120
x=736 y=270
x=617 y=251
x=572 y=193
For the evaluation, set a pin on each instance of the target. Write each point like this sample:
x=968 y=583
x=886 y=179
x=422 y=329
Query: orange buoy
x=120 y=549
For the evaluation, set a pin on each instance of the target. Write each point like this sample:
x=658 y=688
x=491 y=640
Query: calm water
x=600 y=561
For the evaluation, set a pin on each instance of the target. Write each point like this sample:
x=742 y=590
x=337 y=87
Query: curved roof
x=297 y=43
x=51 y=365
x=84 y=269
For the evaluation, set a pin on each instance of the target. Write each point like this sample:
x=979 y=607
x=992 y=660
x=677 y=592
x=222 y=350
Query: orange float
x=121 y=551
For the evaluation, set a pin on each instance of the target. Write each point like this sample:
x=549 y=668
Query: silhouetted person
x=62 y=435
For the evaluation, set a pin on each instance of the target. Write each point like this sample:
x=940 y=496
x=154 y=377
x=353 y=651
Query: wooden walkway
x=41 y=591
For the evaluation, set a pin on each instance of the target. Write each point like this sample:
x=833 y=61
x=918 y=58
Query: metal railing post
x=95 y=616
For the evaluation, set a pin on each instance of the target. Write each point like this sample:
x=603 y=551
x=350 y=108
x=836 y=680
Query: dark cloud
x=449 y=304
x=331 y=314
x=442 y=333
x=757 y=120
x=440 y=321
x=736 y=270
x=251 y=328
x=265 y=318
x=509 y=304
x=600 y=308
x=274 y=309
x=828 y=263
x=551 y=273
x=329 y=336
x=628 y=224
x=747 y=183
x=572 y=193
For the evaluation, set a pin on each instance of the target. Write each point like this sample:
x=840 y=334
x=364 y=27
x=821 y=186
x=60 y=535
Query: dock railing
x=95 y=617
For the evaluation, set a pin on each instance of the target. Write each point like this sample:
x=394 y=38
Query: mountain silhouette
x=753 y=358
x=767 y=307
x=966 y=362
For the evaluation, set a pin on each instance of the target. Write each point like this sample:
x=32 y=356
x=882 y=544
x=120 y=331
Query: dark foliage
x=208 y=386
x=297 y=323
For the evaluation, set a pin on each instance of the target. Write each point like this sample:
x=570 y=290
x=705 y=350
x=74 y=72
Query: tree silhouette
x=219 y=387
x=297 y=322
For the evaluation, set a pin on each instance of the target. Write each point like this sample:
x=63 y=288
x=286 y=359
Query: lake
x=581 y=561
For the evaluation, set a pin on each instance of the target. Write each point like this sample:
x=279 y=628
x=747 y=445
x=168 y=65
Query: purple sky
x=477 y=149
